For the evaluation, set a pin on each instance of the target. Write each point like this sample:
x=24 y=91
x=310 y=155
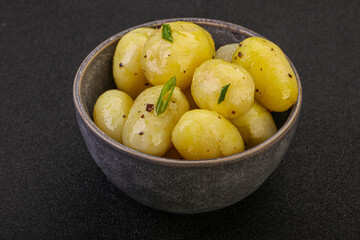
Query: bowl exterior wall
x=187 y=189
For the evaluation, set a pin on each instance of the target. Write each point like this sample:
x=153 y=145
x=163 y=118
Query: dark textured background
x=51 y=188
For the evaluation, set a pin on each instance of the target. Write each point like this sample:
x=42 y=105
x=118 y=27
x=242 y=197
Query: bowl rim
x=79 y=106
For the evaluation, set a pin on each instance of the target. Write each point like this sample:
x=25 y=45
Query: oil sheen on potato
x=275 y=82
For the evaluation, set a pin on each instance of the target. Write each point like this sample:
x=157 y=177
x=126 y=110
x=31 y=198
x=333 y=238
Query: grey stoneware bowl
x=176 y=185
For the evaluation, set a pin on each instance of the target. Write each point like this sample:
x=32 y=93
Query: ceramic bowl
x=176 y=185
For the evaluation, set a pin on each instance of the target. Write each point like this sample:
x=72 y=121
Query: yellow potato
x=162 y=59
x=127 y=71
x=275 y=82
x=226 y=52
x=111 y=111
x=255 y=126
x=147 y=132
x=205 y=134
x=212 y=76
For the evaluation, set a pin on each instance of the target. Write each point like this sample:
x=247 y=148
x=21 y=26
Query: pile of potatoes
x=198 y=122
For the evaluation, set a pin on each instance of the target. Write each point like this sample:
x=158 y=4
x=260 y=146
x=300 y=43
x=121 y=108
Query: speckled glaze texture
x=175 y=185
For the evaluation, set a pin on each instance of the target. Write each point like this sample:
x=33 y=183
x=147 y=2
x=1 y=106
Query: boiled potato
x=147 y=132
x=212 y=76
x=162 y=59
x=127 y=71
x=226 y=52
x=275 y=81
x=111 y=111
x=255 y=126
x=205 y=134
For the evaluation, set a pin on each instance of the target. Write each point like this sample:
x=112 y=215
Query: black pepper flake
x=135 y=73
x=213 y=56
x=260 y=69
x=121 y=65
x=290 y=75
x=233 y=112
x=208 y=150
x=142 y=116
x=149 y=107
x=169 y=55
x=141 y=133
x=144 y=56
x=239 y=54
x=138 y=111
x=184 y=71
x=240 y=44
x=257 y=90
x=272 y=49
x=219 y=117
x=147 y=84
x=124 y=116
x=235 y=57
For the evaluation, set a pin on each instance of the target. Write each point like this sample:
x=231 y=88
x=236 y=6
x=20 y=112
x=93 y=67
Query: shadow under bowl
x=175 y=185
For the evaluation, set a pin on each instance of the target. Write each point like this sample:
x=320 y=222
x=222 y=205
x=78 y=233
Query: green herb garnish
x=166 y=32
x=166 y=91
x=223 y=93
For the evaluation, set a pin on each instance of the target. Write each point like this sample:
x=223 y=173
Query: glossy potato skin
x=161 y=59
x=147 y=132
x=111 y=111
x=127 y=71
x=226 y=52
x=275 y=81
x=208 y=81
x=255 y=126
x=205 y=134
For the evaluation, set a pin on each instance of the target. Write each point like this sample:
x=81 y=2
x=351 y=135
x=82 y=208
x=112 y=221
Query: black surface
x=50 y=186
